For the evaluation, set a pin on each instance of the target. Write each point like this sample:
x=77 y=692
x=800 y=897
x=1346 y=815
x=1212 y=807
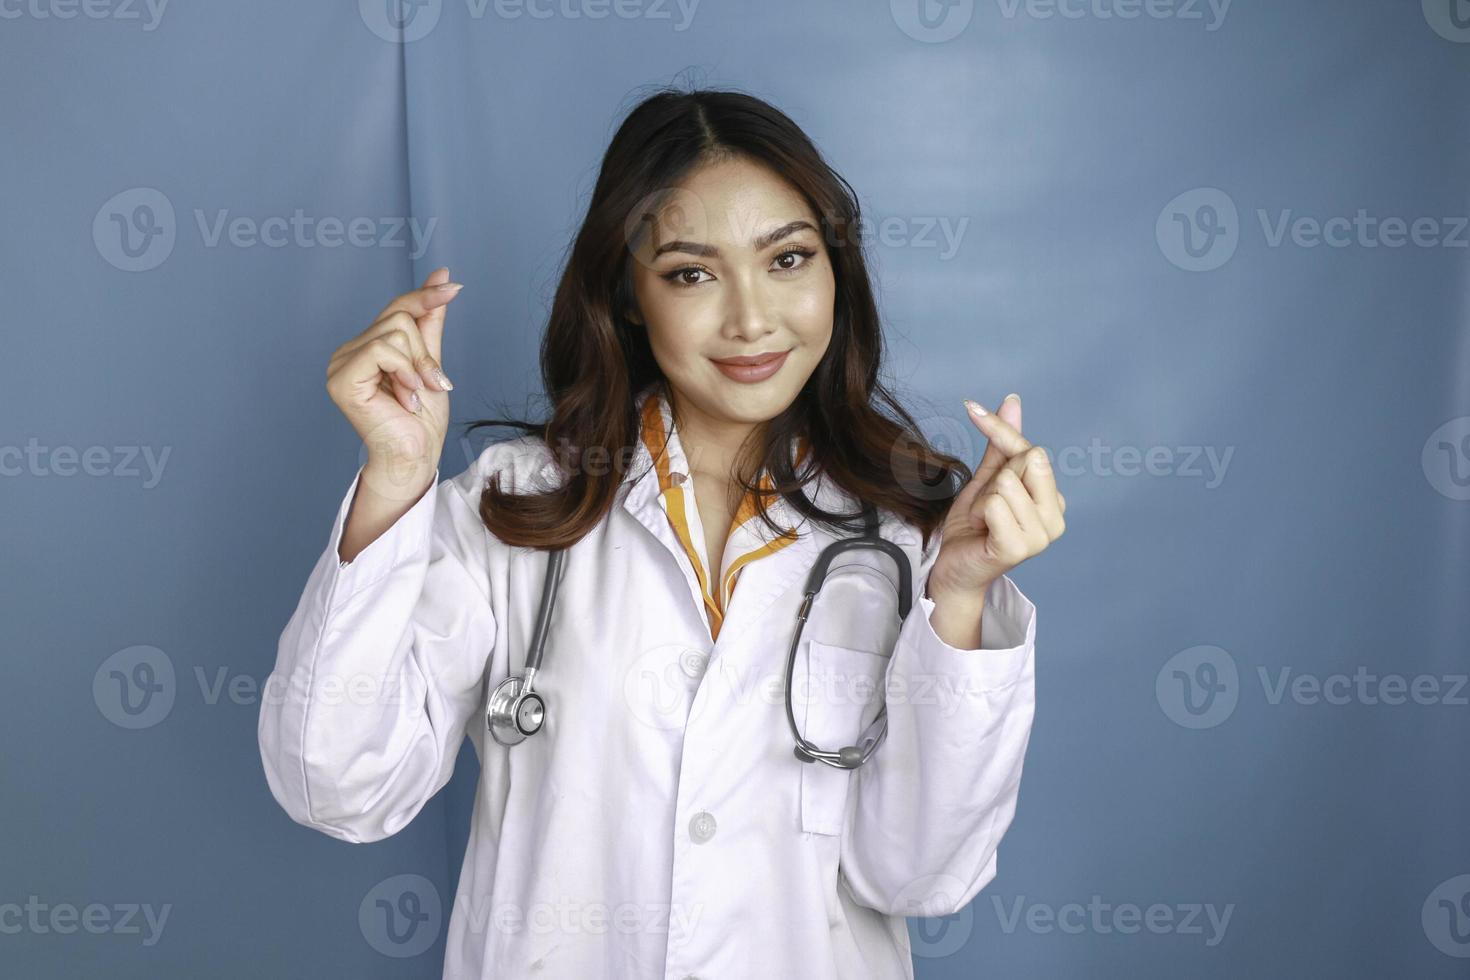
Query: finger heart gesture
x=1010 y=510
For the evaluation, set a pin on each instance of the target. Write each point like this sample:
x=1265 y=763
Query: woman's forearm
x=373 y=510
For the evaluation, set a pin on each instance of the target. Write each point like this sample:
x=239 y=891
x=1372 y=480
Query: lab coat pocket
x=842 y=694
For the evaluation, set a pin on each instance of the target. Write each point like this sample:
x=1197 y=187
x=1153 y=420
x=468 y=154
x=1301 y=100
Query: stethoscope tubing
x=516 y=710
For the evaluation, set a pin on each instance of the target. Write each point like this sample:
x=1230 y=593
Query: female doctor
x=711 y=364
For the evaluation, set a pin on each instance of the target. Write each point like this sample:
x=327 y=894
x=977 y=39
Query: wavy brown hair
x=594 y=360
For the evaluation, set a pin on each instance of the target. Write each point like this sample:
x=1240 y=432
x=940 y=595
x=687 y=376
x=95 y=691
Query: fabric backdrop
x=1219 y=248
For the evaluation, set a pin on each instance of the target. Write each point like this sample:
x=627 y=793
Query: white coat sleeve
x=379 y=669
x=926 y=813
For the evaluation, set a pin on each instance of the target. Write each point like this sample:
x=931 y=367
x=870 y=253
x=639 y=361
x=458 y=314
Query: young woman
x=711 y=364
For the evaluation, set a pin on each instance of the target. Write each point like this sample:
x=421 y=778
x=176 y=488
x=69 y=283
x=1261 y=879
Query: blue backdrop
x=1219 y=248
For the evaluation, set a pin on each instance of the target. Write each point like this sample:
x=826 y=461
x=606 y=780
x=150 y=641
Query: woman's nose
x=748 y=315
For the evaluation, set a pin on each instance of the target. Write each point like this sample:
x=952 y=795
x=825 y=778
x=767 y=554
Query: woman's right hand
x=389 y=383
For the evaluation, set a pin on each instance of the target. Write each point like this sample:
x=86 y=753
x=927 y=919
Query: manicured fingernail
x=450 y=287
x=443 y=381
x=1010 y=396
x=413 y=402
x=975 y=407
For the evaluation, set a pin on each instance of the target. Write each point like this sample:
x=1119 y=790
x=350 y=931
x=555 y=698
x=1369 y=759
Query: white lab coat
x=659 y=825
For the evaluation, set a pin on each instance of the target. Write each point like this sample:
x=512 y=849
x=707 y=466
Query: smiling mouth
x=750 y=360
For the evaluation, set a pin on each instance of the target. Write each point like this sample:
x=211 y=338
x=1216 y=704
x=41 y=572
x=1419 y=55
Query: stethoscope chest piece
x=515 y=713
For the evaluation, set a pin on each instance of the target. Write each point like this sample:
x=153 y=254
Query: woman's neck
x=711 y=445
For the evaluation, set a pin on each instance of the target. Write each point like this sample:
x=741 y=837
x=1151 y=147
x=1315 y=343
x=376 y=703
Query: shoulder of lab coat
x=381 y=664
x=927 y=811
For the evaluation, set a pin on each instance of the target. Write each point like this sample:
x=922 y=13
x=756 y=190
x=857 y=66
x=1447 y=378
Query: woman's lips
x=749 y=373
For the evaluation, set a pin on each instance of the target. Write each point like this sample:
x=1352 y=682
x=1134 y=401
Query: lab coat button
x=702 y=826
x=693 y=663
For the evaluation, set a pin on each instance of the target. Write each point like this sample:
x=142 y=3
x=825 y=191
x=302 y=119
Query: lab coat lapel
x=643 y=501
x=765 y=578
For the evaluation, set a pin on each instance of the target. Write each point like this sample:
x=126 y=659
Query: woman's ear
x=632 y=314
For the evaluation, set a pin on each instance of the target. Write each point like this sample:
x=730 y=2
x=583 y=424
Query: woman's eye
x=802 y=253
x=681 y=277
x=677 y=277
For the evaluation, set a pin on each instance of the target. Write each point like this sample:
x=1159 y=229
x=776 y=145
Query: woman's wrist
x=956 y=618
x=379 y=501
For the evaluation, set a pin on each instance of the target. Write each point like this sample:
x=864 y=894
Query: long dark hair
x=595 y=361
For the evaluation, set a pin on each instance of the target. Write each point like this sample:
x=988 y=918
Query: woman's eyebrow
x=764 y=241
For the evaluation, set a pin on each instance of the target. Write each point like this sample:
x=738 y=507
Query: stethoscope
x=516 y=711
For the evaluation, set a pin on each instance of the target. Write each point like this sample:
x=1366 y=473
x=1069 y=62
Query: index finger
x=1005 y=443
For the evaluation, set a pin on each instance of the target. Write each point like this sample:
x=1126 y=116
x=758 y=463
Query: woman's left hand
x=1010 y=510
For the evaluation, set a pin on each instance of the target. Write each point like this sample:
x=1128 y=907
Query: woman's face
x=734 y=265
